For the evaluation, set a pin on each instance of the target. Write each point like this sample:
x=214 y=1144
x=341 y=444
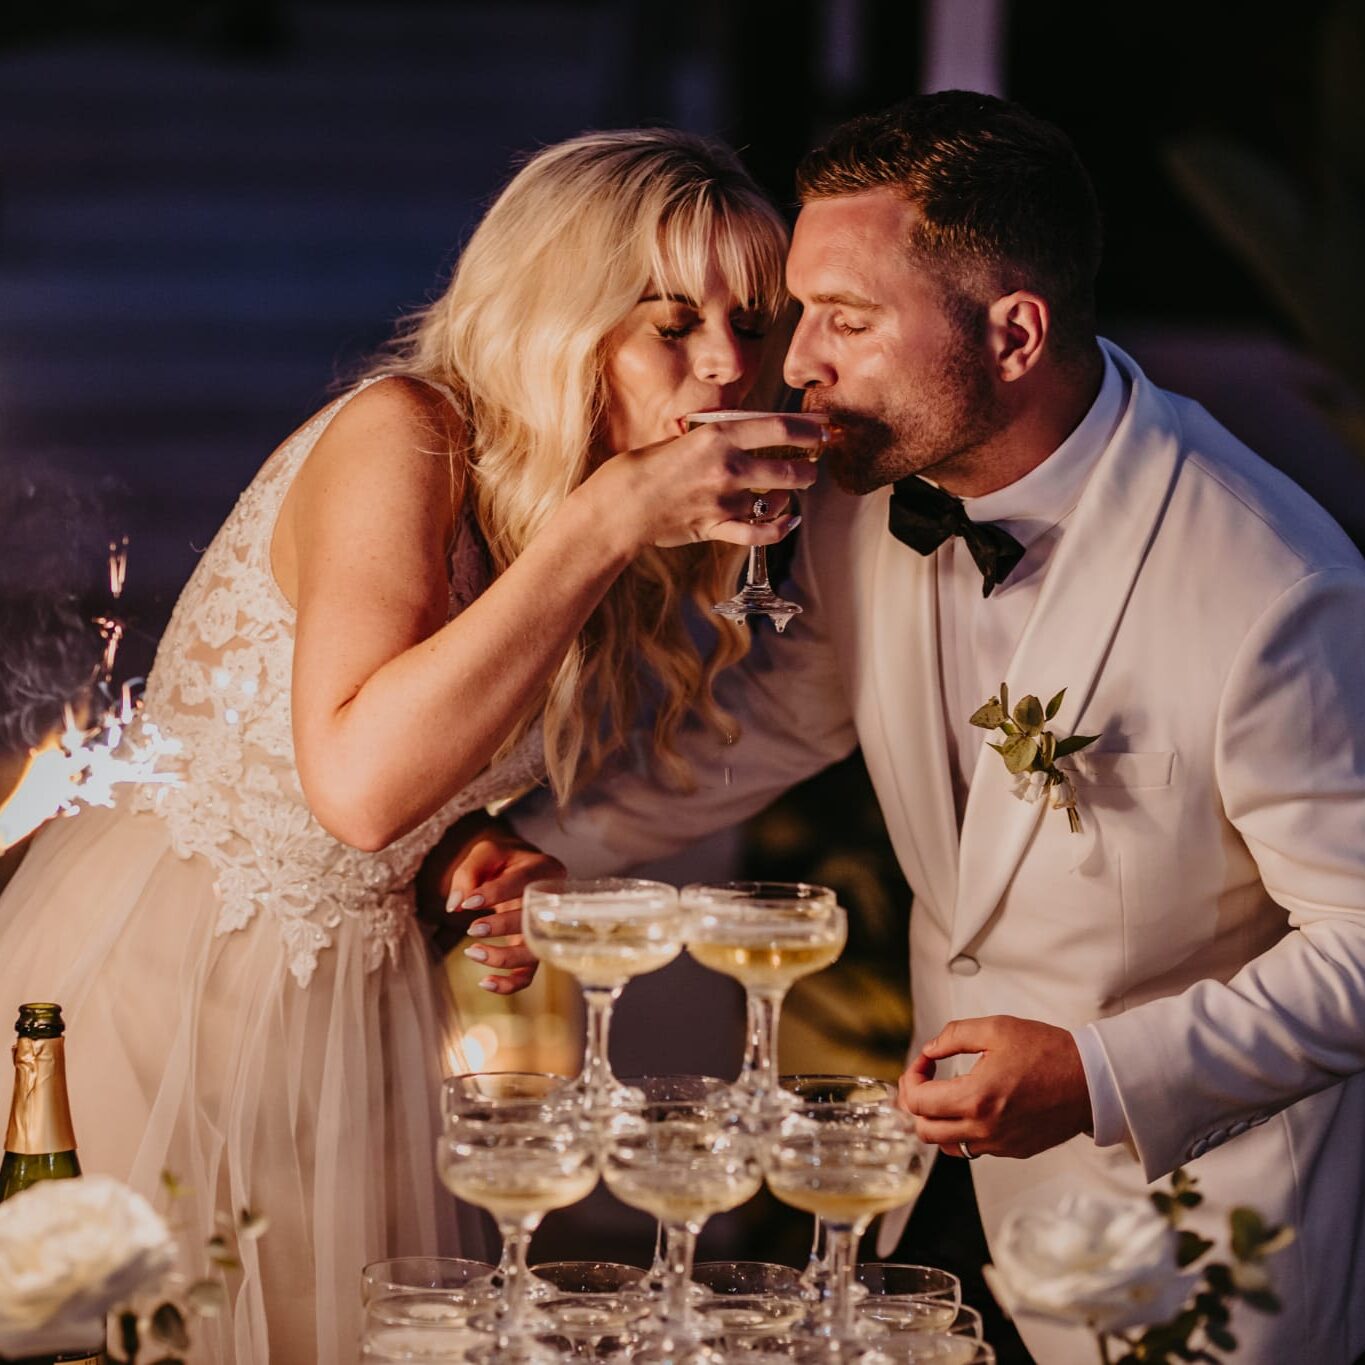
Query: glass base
x=758 y=601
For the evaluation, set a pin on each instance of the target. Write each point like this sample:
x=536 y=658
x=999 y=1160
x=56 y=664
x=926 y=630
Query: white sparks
x=83 y=767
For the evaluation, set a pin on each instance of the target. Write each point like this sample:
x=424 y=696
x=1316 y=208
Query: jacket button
x=1238 y=1128
x=964 y=965
x=1198 y=1148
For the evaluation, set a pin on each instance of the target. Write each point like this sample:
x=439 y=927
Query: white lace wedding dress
x=249 y=1002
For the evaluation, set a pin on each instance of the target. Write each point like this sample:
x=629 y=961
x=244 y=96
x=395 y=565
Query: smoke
x=54 y=542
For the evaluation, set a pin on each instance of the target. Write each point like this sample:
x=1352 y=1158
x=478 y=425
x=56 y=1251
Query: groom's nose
x=805 y=367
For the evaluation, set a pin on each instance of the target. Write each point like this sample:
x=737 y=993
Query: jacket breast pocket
x=1121 y=769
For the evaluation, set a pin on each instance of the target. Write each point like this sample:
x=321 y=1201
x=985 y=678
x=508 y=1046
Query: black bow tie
x=923 y=517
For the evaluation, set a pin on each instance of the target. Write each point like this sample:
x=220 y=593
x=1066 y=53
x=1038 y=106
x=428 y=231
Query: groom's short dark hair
x=1004 y=200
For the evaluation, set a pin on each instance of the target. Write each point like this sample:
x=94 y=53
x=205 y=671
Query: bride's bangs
x=747 y=240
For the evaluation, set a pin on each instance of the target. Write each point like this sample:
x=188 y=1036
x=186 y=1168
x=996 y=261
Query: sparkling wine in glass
x=602 y=932
x=756 y=597
x=767 y=935
x=682 y=1162
x=845 y=1164
x=519 y=1159
x=688 y=1089
x=833 y=1089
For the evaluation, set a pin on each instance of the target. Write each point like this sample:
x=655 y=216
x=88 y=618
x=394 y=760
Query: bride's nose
x=719 y=359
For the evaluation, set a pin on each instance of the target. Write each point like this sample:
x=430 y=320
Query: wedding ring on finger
x=967 y=1151
x=759 y=509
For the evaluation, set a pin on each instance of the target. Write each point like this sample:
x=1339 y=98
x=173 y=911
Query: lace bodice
x=221 y=686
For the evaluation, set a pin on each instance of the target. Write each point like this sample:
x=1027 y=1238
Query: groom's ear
x=1017 y=329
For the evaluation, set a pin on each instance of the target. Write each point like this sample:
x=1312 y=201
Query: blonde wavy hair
x=560 y=259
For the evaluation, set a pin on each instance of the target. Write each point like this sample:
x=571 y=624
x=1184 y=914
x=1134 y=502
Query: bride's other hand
x=699 y=486
x=471 y=885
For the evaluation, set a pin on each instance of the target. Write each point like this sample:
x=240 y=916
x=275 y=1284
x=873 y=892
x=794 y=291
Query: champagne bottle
x=40 y=1143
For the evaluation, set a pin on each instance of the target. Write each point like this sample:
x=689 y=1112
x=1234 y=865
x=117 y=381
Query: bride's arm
x=394 y=708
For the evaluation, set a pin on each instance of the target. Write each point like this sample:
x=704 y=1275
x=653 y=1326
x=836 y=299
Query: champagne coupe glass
x=417 y=1326
x=767 y=935
x=518 y=1159
x=942 y=1348
x=756 y=597
x=602 y=932
x=845 y=1163
x=915 y=1298
x=681 y=1161
x=672 y=1090
x=446 y=1275
x=596 y=1308
x=833 y=1089
x=489 y=1090
x=748 y=1305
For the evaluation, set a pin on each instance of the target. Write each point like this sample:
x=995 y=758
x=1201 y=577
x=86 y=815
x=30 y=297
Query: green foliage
x=1202 y=1327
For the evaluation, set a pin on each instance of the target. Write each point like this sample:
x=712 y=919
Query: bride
x=455 y=581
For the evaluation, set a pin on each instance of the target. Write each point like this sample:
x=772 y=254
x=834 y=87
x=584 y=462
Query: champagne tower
x=40 y=1143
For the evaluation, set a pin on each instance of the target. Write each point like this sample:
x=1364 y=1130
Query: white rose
x=1029 y=786
x=1099 y=1263
x=70 y=1251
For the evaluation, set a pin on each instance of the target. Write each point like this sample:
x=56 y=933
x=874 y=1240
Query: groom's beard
x=939 y=417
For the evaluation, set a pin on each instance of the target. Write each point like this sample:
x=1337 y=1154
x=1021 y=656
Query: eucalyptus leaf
x=989 y=717
x=1073 y=744
x=169 y=1325
x=1263 y=1301
x=1221 y=1337
x=1190 y=1247
x=999 y=748
x=1248 y=1232
x=1019 y=753
x=1028 y=715
x=1055 y=704
x=1047 y=747
x=128 y=1335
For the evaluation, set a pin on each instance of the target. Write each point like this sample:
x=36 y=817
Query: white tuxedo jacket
x=1208 y=621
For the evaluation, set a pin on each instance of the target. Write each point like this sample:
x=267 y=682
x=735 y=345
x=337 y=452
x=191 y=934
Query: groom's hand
x=1026 y=1092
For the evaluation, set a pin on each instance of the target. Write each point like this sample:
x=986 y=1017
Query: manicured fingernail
x=489 y=983
x=476 y=954
x=473 y=903
x=795 y=522
x=454 y=901
x=479 y=930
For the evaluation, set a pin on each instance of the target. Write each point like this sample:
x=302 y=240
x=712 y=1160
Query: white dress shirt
x=978 y=635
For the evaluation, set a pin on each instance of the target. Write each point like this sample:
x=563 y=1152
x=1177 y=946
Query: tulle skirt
x=316 y=1106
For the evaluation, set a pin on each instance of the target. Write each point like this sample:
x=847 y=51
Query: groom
x=1182 y=981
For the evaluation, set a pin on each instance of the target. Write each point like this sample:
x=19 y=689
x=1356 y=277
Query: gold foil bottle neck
x=40 y=1118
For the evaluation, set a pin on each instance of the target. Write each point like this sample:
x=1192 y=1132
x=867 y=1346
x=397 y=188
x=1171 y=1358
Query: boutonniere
x=1031 y=752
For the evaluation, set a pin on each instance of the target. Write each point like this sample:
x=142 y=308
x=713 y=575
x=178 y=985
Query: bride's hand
x=700 y=486
x=496 y=868
x=480 y=869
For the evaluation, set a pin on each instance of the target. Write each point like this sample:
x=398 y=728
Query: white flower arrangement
x=1126 y=1271
x=70 y=1252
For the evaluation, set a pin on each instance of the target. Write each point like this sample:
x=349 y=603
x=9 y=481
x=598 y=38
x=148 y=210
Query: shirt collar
x=1033 y=505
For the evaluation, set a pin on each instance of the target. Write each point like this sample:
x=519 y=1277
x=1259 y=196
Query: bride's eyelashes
x=750 y=326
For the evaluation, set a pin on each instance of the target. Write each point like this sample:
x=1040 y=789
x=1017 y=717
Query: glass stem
x=816 y=1261
x=757 y=576
x=680 y=1247
x=658 y=1267
x=836 y=1291
x=596 y=1077
x=765 y=1017
x=516 y=1292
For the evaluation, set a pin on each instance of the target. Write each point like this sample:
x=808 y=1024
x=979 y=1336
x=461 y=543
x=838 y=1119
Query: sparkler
x=84 y=764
